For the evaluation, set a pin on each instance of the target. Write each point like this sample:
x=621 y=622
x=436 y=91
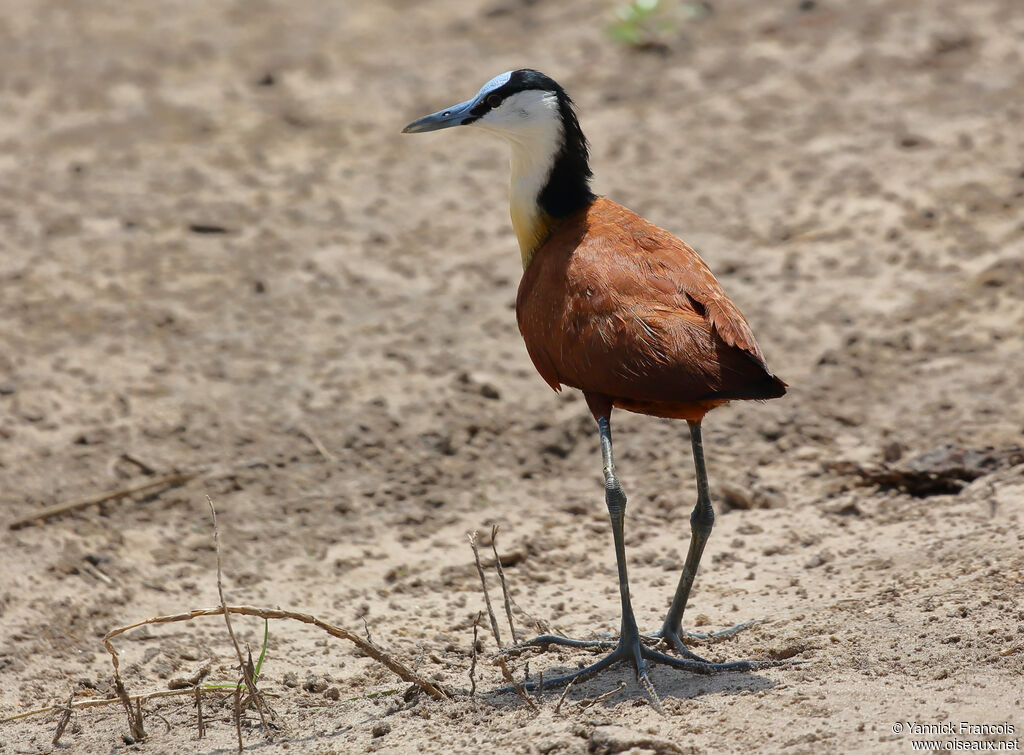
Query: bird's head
x=550 y=162
x=515 y=104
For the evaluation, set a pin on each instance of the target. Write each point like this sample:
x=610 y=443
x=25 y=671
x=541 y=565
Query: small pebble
x=313 y=684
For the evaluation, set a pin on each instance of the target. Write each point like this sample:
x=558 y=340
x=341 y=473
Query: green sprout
x=649 y=24
x=256 y=669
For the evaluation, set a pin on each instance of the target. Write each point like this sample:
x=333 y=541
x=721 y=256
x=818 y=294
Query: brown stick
x=113 y=701
x=565 y=692
x=167 y=481
x=155 y=713
x=377 y=653
x=516 y=685
x=135 y=724
x=504 y=586
x=181 y=682
x=483 y=583
x=246 y=669
x=308 y=435
x=238 y=713
x=472 y=664
x=140 y=463
x=200 y=724
x=584 y=704
x=65 y=719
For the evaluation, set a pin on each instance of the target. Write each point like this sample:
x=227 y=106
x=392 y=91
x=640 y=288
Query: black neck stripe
x=568 y=186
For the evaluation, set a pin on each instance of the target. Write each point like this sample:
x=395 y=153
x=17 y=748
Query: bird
x=622 y=310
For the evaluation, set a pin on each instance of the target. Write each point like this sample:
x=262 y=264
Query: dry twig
x=372 y=650
x=247 y=670
x=238 y=713
x=95 y=571
x=140 y=463
x=308 y=435
x=565 y=692
x=516 y=685
x=540 y=625
x=65 y=719
x=166 y=481
x=472 y=663
x=504 y=586
x=188 y=682
x=165 y=721
x=110 y=701
x=483 y=583
x=584 y=704
x=135 y=727
x=49 y=512
x=200 y=724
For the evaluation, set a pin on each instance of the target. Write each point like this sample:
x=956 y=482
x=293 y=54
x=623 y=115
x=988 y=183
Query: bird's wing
x=648 y=264
x=673 y=267
x=639 y=327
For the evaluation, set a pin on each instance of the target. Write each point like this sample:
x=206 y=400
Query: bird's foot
x=630 y=648
x=675 y=638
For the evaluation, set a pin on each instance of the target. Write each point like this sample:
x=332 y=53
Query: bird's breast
x=531 y=226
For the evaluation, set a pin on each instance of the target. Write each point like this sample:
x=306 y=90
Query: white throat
x=531 y=122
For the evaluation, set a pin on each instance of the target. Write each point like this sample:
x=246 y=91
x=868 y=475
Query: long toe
x=673 y=640
x=676 y=638
x=621 y=653
x=722 y=634
x=547 y=640
x=704 y=667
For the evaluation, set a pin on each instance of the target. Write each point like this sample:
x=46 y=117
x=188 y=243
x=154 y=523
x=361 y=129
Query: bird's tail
x=762 y=389
x=769 y=387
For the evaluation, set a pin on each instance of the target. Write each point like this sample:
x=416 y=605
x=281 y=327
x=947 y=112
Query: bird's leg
x=615 y=499
x=702 y=520
x=630 y=646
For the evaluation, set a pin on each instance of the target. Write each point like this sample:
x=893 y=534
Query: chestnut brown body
x=621 y=309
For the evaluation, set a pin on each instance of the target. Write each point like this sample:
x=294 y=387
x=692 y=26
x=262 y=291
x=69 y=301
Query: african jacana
x=618 y=308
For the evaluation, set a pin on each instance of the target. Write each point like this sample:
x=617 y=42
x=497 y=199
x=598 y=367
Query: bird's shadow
x=669 y=683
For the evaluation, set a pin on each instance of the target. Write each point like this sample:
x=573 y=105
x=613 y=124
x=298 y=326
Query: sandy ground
x=342 y=365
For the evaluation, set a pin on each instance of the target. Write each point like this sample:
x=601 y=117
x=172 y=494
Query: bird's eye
x=493 y=100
